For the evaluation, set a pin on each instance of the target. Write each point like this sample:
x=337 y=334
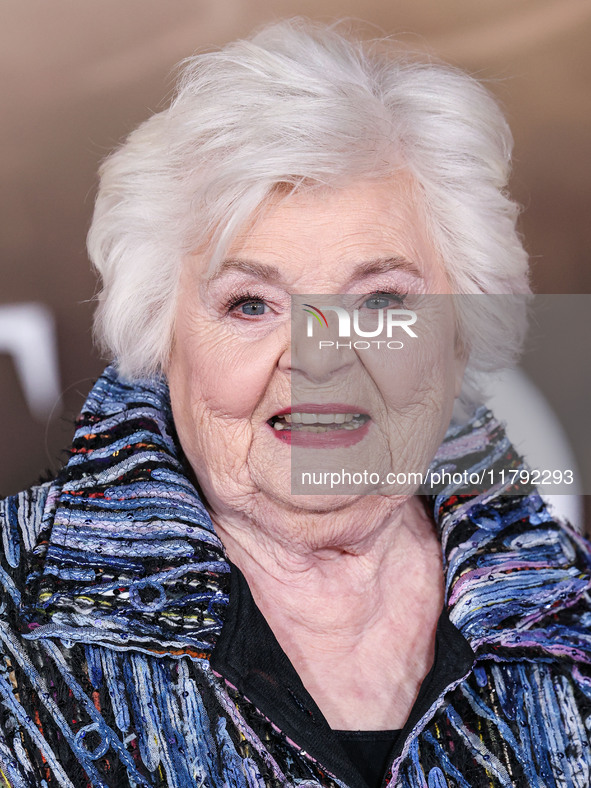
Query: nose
x=315 y=351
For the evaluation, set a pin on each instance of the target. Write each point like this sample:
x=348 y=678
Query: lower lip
x=331 y=439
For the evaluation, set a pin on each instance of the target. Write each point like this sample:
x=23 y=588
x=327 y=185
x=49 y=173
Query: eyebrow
x=381 y=265
x=385 y=265
x=258 y=270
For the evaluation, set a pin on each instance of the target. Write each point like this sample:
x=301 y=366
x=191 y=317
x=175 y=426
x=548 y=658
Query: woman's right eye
x=247 y=305
x=253 y=308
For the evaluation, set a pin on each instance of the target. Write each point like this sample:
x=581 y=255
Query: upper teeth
x=319 y=418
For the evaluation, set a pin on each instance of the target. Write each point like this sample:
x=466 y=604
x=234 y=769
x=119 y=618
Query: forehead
x=329 y=229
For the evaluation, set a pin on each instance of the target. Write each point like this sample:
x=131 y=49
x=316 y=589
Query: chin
x=323 y=503
x=326 y=503
x=281 y=495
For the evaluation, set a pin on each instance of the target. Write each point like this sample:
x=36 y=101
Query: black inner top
x=248 y=655
x=369 y=751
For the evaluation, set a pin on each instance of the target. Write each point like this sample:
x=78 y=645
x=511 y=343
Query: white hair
x=303 y=105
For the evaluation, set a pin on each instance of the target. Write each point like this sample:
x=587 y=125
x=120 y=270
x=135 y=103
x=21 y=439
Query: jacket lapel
x=510 y=567
x=132 y=559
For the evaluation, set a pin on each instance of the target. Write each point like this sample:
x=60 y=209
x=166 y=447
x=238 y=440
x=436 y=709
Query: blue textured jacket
x=115 y=591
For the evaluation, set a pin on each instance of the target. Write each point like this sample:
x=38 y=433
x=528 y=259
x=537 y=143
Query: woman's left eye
x=383 y=300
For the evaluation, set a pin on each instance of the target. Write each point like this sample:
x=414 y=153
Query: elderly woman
x=175 y=613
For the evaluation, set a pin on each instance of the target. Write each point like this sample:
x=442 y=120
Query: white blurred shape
x=27 y=333
x=535 y=431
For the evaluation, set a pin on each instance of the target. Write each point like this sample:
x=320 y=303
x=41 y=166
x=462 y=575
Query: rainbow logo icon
x=315 y=312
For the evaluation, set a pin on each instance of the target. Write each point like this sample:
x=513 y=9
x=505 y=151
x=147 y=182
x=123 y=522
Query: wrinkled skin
x=230 y=372
x=328 y=571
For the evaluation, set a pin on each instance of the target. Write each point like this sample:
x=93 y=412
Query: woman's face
x=239 y=369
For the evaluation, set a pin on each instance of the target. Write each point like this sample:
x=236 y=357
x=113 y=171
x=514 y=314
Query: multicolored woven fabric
x=115 y=588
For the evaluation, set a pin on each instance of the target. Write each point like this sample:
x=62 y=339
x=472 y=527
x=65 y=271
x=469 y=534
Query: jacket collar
x=517 y=580
x=130 y=558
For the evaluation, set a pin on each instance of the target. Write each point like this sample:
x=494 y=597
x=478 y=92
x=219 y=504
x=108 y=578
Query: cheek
x=417 y=384
x=219 y=375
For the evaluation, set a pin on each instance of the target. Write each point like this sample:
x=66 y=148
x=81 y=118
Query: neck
x=356 y=616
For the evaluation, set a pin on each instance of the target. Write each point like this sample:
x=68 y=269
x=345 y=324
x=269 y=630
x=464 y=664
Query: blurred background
x=76 y=77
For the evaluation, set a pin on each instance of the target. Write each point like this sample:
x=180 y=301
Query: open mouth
x=298 y=421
